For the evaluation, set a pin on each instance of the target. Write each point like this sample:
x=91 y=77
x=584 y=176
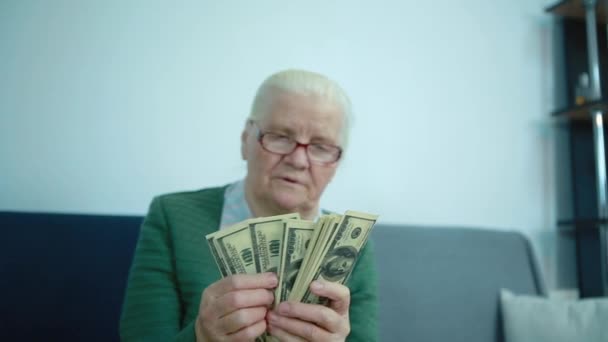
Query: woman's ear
x=244 y=136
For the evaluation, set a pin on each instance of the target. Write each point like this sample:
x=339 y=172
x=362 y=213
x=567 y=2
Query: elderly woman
x=293 y=142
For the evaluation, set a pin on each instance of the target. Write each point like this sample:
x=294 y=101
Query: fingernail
x=272 y=317
x=284 y=308
x=316 y=285
x=270 y=301
x=273 y=278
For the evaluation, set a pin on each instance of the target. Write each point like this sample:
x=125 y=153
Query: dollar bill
x=266 y=241
x=313 y=256
x=233 y=245
x=342 y=251
x=219 y=261
x=295 y=291
x=295 y=243
x=329 y=229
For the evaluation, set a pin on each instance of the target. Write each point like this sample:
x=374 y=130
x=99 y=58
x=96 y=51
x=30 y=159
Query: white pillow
x=537 y=319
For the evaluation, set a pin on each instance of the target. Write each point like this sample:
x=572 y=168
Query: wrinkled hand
x=312 y=322
x=235 y=308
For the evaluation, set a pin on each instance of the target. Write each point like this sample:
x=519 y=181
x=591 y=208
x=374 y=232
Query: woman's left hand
x=293 y=321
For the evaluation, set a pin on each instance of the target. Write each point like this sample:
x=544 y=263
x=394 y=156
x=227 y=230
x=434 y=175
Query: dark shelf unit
x=581 y=226
x=581 y=112
x=591 y=223
x=585 y=50
x=576 y=9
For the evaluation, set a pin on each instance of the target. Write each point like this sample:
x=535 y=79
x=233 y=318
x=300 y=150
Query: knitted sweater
x=172 y=266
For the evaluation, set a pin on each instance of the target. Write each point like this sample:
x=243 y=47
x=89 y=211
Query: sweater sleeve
x=364 y=299
x=152 y=309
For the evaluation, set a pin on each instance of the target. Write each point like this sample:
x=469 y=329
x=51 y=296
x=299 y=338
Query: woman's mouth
x=290 y=180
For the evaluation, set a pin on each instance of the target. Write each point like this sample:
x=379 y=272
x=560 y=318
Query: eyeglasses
x=282 y=144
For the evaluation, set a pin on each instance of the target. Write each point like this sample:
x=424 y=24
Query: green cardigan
x=172 y=265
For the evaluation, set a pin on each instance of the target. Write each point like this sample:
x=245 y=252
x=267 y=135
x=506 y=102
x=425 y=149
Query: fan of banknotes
x=299 y=251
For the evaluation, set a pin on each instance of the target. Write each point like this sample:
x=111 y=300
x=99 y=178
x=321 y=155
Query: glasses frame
x=260 y=138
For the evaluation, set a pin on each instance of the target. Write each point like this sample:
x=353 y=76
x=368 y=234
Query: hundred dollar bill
x=295 y=243
x=266 y=240
x=234 y=247
x=221 y=264
x=331 y=225
x=323 y=230
x=343 y=250
x=311 y=246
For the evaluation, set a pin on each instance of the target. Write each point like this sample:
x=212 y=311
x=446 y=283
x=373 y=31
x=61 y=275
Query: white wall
x=104 y=104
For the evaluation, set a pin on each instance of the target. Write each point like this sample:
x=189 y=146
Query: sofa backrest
x=62 y=277
x=442 y=284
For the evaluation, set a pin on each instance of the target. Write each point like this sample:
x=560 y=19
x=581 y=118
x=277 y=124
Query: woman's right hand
x=234 y=308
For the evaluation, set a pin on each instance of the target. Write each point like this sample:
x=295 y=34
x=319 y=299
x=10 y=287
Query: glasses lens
x=277 y=143
x=323 y=153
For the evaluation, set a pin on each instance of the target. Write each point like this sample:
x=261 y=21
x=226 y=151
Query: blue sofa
x=62 y=278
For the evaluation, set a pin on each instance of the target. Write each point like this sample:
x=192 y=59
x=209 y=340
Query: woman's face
x=291 y=183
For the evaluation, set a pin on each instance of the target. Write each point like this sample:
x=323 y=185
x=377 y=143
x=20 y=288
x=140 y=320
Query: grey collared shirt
x=235 y=207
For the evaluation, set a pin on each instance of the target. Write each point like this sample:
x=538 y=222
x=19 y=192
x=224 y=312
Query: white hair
x=306 y=83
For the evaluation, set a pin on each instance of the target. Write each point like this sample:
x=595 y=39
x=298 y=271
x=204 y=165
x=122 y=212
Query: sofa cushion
x=442 y=284
x=533 y=319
